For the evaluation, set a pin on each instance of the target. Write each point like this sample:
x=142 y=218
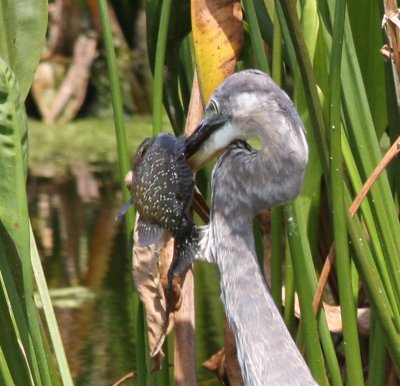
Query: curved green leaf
x=23 y=26
x=14 y=326
x=13 y=160
x=14 y=204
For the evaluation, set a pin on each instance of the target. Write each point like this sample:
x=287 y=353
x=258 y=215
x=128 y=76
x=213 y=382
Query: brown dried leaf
x=386 y=52
x=150 y=269
x=224 y=363
x=216 y=364
x=334 y=316
x=231 y=363
x=147 y=277
x=393 y=17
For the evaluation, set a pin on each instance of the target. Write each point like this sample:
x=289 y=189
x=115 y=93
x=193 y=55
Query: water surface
x=73 y=202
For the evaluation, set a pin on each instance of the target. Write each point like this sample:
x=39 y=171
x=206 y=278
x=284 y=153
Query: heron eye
x=212 y=106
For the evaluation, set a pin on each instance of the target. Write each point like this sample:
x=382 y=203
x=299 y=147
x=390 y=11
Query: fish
x=162 y=189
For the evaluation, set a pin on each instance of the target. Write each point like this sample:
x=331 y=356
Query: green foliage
x=23 y=26
x=343 y=267
x=13 y=205
x=361 y=138
x=16 y=243
x=345 y=94
x=10 y=264
x=25 y=354
x=124 y=167
x=339 y=85
x=166 y=31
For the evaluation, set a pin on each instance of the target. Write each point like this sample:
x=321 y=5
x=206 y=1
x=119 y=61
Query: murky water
x=87 y=268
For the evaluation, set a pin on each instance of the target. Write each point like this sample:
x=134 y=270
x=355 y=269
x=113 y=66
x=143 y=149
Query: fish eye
x=141 y=151
x=213 y=107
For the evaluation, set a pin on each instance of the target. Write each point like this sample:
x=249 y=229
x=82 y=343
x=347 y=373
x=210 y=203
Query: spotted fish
x=162 y=190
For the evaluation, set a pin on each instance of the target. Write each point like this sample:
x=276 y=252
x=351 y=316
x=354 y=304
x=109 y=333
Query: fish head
x=141 y=151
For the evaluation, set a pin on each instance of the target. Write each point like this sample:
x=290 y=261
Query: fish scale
x=153 y=195
x=162 y=190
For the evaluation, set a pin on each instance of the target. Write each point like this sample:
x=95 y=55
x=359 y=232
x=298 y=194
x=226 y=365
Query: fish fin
x=121 y=213
x=148 y=233
x=185 y=250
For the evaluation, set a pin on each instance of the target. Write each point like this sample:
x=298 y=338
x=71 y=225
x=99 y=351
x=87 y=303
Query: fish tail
x=186 y=250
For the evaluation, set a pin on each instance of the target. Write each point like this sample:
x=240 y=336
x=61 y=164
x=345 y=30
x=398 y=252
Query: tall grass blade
x=123 y=169
x=50 y=317
x=358 y=116
x=301 y=262
x=116 y=97
x=5 y=376
x=348 y=307
x=376 y=245
x=141 y=357
x=256 y=39
x=307 y=212
x=174 y=77
x=159 y=66
x=288 y=312
x=12 y=319
x=377 y=355
x=374 y=288
x=276 y=213
x=309 y=82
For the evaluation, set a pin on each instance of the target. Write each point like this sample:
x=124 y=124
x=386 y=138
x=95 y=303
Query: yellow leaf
x=218 y=38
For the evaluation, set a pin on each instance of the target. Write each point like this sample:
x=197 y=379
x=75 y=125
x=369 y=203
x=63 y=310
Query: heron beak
x=197 y=147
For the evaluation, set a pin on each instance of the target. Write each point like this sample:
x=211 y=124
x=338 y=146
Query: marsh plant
x=339 y=61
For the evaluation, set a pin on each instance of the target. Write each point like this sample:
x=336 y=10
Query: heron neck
x=251 y=181
x=266 y=351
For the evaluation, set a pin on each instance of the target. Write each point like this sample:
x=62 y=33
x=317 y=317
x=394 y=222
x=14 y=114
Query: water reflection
x=82 y=246
x=84 y=253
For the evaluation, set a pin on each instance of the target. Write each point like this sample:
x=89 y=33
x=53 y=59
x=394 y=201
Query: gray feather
x=244 y=182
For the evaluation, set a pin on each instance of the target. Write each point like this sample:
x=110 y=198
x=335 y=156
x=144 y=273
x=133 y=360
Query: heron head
x=210 y=136
x=247 y=104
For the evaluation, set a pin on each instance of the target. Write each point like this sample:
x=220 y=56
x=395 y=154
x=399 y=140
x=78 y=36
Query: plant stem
x=257 y=42
x=159 y=66
x=49 y=315
x=116 y=98
x=123 y=169
x=297 y=242
x=348 y=306
x=276 y=213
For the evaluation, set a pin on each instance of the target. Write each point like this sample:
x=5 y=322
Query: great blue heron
x=244 y=182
